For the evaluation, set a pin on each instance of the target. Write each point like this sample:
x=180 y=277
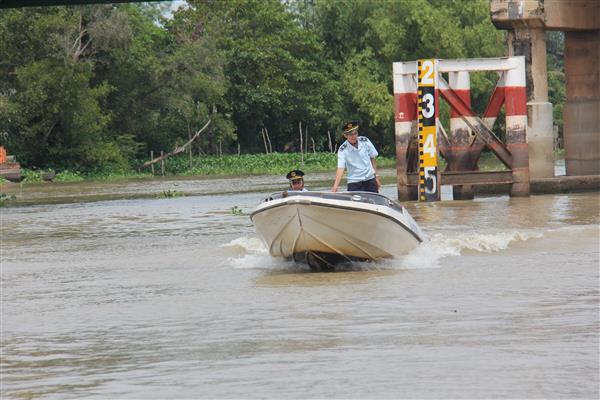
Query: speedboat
x=323 y=229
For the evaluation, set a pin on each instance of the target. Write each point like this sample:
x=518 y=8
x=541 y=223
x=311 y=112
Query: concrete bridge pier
x=582 y=109
x=531 y=43
x=526 y=22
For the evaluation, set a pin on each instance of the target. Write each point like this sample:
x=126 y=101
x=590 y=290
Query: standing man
x=358 y=155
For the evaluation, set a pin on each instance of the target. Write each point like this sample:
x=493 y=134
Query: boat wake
x=251 y=253
x=450 y=244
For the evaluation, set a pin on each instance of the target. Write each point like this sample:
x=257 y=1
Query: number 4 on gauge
x=429 y=146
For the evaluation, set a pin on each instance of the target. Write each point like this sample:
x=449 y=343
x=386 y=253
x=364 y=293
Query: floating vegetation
x=4 y=198
x=235 y=210
x=170 y=193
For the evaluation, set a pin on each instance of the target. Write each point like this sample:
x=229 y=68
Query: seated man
x=296 y=181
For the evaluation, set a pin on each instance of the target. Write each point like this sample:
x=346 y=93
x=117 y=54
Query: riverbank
x=206 y=166
x=202 y=166
x=16 y=194
x=245 y=173
x=160 y=187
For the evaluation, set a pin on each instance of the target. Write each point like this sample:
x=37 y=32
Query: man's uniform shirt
x=357 y=160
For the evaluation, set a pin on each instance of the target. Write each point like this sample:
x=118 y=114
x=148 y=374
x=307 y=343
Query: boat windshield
x=362 y=197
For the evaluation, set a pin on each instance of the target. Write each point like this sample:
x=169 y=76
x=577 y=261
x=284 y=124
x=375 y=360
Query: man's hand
x=378 y=182
x=338 y=178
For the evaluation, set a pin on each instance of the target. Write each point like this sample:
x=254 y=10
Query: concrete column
x=516 y=125
x=582 y=107
x=540 y=133
x=531 y=43
x=461 y=157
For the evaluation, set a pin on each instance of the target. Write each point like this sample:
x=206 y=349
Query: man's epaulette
x=343 y=147
x=363 y=138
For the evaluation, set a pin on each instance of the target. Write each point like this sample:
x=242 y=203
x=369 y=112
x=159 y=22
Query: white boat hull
x=321 y=226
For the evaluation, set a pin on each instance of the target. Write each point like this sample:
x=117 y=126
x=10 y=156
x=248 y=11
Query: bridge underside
x=526 y=21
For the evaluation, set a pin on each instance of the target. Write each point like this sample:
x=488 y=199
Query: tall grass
x=245 y=164
x=249 y=164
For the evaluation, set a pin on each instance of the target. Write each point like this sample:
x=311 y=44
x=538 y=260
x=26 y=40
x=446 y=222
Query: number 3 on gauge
x=429 y=109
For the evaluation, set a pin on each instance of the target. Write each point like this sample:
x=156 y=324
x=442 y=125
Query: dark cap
x=295 y=174
x=350 y=126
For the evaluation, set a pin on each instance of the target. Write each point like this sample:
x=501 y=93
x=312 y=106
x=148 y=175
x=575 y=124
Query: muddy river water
x=133 y=296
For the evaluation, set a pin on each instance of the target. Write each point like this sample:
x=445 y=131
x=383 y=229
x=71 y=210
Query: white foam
x=251 y=253
x=247 y=245
x=484 y=242
x=447 y=244
x=252 y=261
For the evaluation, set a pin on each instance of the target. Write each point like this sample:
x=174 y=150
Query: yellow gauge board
x=429 y=187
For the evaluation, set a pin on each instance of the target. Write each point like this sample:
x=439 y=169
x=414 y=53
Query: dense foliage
x=95 y=88
x=239 y=165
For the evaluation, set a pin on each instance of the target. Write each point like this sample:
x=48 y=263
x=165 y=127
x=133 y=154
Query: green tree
x=52 y=115
x=93 y=87
x=277 y=76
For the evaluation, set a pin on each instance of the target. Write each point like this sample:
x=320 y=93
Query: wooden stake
x=306 y=139
x=190 y=148
x=301 y=144
x=262 y=130
x=268 y=140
